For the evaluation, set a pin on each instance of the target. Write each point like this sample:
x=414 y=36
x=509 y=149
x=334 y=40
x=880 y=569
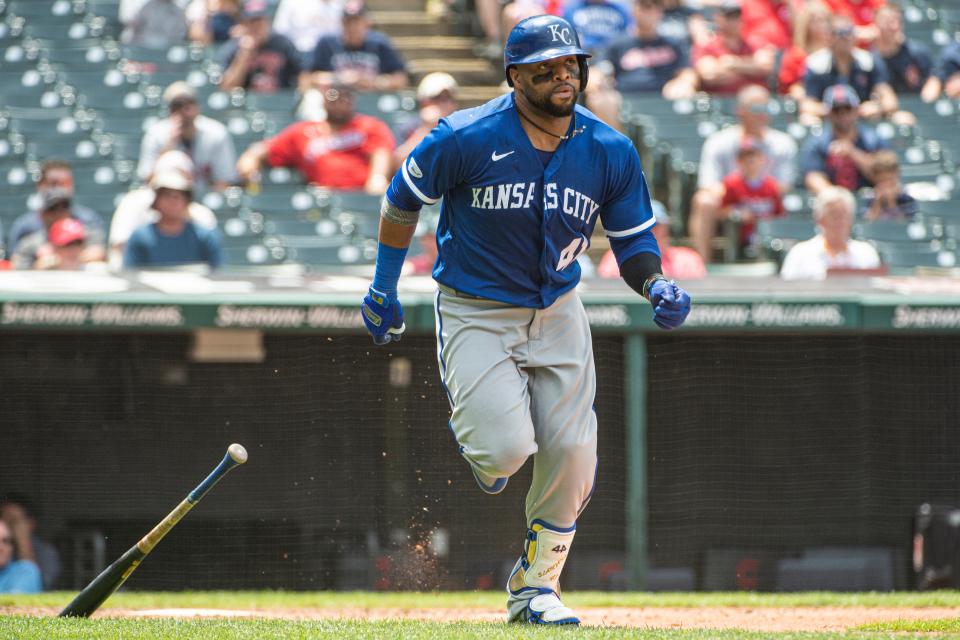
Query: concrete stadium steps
x=409 y=23
x=452 y=47
x=466 y=71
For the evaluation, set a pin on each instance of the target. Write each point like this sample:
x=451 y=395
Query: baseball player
x=524 y=179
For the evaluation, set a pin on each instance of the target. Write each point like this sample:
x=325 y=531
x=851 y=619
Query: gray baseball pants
x=521 y=382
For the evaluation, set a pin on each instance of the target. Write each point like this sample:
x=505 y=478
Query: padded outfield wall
x=783 y=419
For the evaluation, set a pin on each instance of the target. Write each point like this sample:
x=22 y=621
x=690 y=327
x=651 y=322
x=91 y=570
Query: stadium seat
x=323 y=258
x=904 y=256
x=253 y=254
x=892 y=231
x=16 y=180
x=776 y=236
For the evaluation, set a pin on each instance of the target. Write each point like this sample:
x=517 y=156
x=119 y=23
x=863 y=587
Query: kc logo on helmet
x=560 y=33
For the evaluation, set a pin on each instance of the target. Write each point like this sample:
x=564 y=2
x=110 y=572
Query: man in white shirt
x=832 y=247
x=206 y=141
x=306 y=21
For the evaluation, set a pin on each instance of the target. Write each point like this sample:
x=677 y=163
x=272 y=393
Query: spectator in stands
x=812 y=32
x=909 y=62
x=305 y=22
x=684 y=24
x=135 y=209
x=726 y=63
x=63 y=251
x=862 y=14
x=18 y=512
x=769 y=23
x=57 y=174
x=842 y=154
x=516 y=10
x=437 y=95
x=16 y=576
x=185 y=129
x=55 y=205
x=256 y=58
x=359 y=58
x=843 y=63
x=173 y=239
x=718 y=159
x=488 y=15
x=155 y=24
x=888 y=201
x=598 y=22
x=346 y=151
x=681 y=263
x=831 y=248
x=946 y=78
x=210 y=21
x=750 y=193
x=646 y=61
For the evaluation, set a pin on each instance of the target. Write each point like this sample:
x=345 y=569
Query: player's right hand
x=382 y=316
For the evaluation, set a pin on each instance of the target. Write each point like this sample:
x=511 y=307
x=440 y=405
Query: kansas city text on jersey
x=519 y=195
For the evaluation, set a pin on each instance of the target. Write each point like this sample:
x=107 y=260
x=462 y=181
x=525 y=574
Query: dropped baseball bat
x=95 y=593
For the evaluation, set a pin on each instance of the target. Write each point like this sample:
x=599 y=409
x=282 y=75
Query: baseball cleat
x=546 y=608
x=533 y=589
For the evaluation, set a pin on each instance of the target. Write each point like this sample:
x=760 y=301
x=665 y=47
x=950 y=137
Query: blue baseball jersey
x=511 y=228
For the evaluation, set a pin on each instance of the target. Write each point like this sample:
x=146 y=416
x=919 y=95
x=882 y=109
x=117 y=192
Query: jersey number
x=572 y=252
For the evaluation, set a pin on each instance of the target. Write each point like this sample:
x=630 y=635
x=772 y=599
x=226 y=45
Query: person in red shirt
x=750 y=193
x=768 y=23
x=682 y=263
x=348 y=151
x=812 y=31
x=726 y=63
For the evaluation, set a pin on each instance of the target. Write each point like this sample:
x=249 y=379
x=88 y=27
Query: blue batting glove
x=382 y=316
x=671 y=304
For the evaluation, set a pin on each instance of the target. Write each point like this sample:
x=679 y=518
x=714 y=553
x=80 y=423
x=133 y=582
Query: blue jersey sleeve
x=430 y=170
x=627 y=215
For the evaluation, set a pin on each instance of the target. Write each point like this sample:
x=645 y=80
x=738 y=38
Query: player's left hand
x=671 y=304
x=382 y=316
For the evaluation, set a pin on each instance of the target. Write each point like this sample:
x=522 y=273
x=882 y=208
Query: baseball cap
x=174 y=160
x=65 y=231
x=433 y=84
x=255 y=9
x=354 y=9
x=841 y=95
x=50 y=198
x=174 y=180
x=179 y=90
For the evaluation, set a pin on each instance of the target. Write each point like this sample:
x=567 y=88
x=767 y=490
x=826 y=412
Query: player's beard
x=543 y=102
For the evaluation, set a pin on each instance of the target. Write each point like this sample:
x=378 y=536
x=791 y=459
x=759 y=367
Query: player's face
x=551 y=85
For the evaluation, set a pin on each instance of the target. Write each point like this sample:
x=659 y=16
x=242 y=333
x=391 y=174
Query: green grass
x=486 y=599
x=23 y=627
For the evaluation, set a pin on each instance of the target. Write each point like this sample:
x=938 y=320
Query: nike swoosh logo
x=500 y=156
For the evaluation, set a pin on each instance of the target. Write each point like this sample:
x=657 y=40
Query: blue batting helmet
x=540 y=38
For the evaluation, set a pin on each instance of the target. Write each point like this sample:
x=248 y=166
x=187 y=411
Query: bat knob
x=237 y=453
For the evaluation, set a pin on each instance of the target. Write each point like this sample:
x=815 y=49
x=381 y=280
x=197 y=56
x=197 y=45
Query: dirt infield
x=750 y=619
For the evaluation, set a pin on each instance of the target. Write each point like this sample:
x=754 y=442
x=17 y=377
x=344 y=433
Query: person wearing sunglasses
x=844 y=63
x=843 y=153
x=16 y=576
